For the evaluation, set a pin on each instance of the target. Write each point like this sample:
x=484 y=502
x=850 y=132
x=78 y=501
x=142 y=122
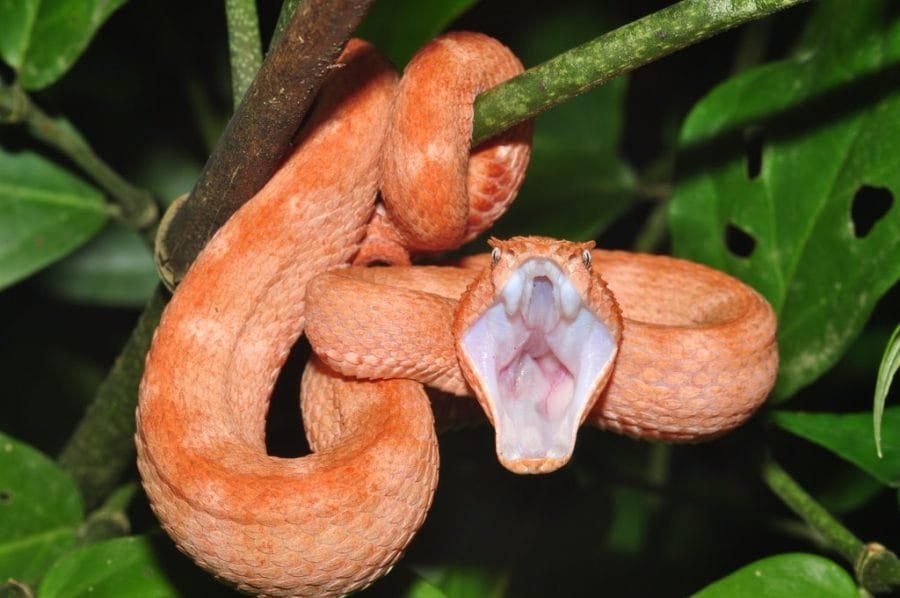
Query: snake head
x=537 y=335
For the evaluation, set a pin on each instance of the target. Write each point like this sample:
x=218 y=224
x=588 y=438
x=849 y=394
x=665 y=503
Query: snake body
x=332 y=522
x=696 y=349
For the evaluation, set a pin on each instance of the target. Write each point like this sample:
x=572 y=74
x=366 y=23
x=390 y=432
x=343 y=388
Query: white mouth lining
x=581 y=343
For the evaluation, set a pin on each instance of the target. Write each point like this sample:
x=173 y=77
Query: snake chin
x=542 y=356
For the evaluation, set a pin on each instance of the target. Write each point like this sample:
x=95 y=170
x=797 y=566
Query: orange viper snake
x=546 y=334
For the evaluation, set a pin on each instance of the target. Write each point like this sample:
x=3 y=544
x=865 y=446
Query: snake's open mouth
x=541 y=354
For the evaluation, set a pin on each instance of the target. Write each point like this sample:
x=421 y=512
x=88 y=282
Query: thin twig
x=137 y=207
x=877 y=569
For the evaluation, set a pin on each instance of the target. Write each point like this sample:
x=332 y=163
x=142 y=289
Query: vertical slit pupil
x=739 y=242
x=870 y=204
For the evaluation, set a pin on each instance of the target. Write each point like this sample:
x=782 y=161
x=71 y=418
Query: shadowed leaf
x=830 y=128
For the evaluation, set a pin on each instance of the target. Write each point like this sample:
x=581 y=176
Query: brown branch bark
x=261 y=129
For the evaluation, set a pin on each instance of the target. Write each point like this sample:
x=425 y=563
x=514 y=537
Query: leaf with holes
x=811 y=218
x=42 y=39
x=849 y=435
x=40 y=511
x=787 y=576
x=45 y=212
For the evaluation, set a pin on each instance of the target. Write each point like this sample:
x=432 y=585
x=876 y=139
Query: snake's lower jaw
x=535 y=466
x=537 y=358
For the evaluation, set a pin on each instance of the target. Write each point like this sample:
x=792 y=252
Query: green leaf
x=404 y=581
x=45 y=212
x=423 y=589
x=40 y=510
x=121 y=567
x=115 y=268
x=400 y=27
x=136 y=566
x=785 y=576
x=850 y=436
x=828 y=125
x=630 y=524
x=890 y=363
x=577 y=183
x=846 y=488
x=42 y=39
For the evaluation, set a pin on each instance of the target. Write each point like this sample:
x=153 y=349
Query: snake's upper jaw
x=538 y=358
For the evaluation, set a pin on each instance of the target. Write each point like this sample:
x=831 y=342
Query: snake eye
x=495 y=256
x=586 y=258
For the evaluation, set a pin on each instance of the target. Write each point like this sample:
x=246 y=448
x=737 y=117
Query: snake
x=546 y=334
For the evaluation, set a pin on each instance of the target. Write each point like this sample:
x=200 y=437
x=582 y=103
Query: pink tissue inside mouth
x=535 y=374
x=538 y=366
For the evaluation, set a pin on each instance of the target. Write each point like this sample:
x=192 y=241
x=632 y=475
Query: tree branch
x=239 y=167
x=608 y=56
x=288 y=8
x=877 y=569
x=102 y=446
x=261 y=129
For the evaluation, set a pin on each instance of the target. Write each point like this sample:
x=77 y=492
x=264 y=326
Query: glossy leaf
x=577 y=183
x=120 y=567
x=115 y=268
x=890 y=363
x=846 y=489
x=400 y=27
x=40 y=511
x=422 y=589
x=42 y=39
x=404 y=581
x=785 y=576
x=850 y=436
x=778 y=169
x=45 y=212
x=136 y=566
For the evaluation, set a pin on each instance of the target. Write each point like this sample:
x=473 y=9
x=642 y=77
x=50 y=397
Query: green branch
x=261 y=130
x=877 y=569
x=244 y=45
x=137 y=207
x=102 y=447
x=608 y=56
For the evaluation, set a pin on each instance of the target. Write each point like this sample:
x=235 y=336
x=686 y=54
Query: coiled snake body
x=668 y=349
